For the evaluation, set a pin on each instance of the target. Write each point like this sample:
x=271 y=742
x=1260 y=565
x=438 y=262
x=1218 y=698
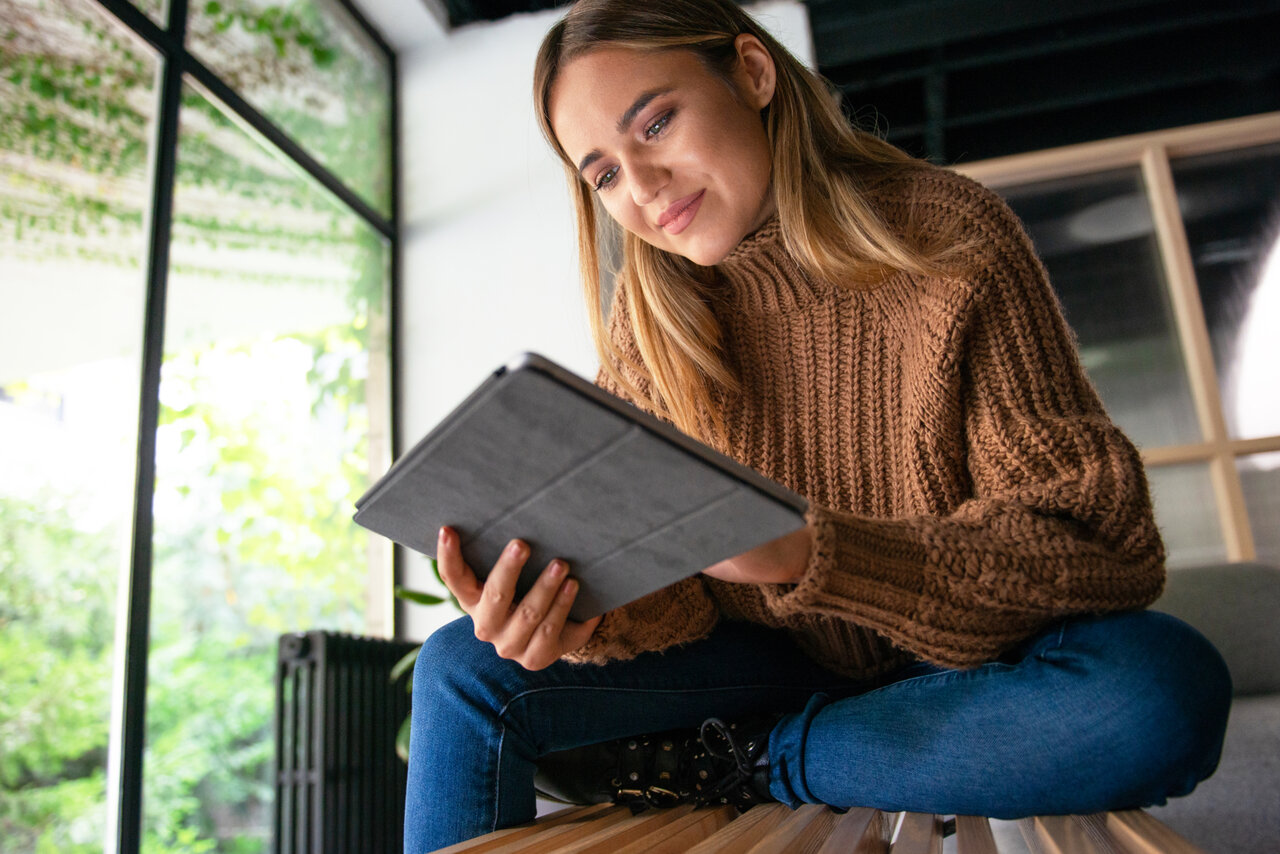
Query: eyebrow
x=625 y=121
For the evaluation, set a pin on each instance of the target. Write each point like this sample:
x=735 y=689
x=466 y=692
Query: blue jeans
x=1093 y=713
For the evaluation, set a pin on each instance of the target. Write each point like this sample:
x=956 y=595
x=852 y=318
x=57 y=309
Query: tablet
x=541 y=454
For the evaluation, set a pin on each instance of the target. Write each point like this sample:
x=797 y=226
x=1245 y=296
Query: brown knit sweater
x=966 y=486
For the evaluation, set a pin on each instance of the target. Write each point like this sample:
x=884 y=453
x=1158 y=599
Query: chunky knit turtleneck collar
x=769 y=233
x=760 y=275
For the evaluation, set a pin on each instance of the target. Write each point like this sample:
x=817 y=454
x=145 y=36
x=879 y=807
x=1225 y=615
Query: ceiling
x=964 y=80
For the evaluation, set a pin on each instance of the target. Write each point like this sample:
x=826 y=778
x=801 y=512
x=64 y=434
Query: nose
x=647 y=180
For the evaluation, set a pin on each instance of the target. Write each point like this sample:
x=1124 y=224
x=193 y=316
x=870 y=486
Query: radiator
x=339 y=786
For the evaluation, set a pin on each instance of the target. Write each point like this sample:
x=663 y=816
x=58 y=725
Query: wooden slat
x=1093 y=157
x=1139 y=833
x=973 y=835
x=1067 y=834
x=1203 y=451
x=920 y=833
x=744 y=832
x=680 y=835
x=814 y=829
x=570 y=835
x=565 y=836
x=802 y=831
x=1193 y=334
x=859 y=831
x=547 y=824
x=608 y=839
x=558 y=836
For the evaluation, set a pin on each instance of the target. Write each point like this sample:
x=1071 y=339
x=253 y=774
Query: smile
x=677 y=217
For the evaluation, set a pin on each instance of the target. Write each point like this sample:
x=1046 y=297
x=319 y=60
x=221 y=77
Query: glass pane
x=1231 y=206
x=1260 y=477
x=1097 y=240
x=157 y=10
x=275 y=334
x=308 y=66
x=76 y=121
x=1187 y=513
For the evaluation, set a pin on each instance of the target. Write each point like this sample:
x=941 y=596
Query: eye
x=659 y=125
x=605 y=181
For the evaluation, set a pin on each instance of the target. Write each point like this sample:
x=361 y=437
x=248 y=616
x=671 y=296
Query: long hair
x=819 y=165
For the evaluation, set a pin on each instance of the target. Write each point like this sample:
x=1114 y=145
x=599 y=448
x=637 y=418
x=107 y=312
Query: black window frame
x=176 y=63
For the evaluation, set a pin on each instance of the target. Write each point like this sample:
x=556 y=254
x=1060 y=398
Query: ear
x=756 y=74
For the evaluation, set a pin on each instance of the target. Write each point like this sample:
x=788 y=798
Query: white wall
x=490 y=264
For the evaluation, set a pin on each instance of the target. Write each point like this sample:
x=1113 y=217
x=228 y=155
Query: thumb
x=577 y=634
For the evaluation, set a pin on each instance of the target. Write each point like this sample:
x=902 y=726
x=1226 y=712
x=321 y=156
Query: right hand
x=534 y=632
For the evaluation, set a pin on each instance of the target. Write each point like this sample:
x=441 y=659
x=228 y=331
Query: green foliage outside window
x=252 y=513
x=55 y=644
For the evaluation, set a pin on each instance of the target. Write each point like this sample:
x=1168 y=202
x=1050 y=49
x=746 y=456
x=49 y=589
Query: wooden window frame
x=1152 y=153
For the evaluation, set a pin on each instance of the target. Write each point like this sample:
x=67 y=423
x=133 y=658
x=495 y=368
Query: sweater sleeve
x=1058 y=520
x=677 y=614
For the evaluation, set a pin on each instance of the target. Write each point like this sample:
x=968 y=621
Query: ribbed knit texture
x=966 y=485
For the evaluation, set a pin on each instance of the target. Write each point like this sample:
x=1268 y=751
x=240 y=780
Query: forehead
x=592 y=91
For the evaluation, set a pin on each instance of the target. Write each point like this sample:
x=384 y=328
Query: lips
x=680 y=213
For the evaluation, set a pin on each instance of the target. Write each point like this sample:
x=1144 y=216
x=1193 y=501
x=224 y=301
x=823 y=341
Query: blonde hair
x=819 y=164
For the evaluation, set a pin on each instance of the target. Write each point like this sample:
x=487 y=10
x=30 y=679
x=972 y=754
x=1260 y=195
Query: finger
x=496 y=597
x=549 y=641
x=529 y=613
x=454 y=572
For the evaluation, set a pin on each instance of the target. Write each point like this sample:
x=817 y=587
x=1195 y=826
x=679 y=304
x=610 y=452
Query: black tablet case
x=538 y=453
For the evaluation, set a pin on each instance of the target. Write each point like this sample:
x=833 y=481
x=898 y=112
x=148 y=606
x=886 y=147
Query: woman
x=955 y=629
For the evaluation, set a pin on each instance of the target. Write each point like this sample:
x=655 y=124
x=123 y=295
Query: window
x=1165 y=251
x=195 y=385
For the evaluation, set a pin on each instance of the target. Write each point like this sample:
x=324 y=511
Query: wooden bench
x=774 y=829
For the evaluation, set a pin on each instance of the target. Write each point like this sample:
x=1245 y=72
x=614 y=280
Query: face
x=675 y=153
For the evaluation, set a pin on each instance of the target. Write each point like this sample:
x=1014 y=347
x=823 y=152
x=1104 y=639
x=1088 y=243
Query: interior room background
x=249 y=249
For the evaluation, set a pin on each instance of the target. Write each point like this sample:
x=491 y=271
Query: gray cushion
x=1237 y=607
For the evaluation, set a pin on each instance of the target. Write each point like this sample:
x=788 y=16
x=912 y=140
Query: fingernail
x=558 y=568
x=444 y=536
x=569 y=587
x=515 y=549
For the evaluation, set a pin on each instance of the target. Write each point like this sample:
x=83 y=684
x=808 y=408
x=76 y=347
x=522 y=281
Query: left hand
x=780 y=561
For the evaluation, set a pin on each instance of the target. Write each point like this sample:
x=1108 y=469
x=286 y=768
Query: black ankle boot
x=641 y=771
x=718 y=763
x=733 y=767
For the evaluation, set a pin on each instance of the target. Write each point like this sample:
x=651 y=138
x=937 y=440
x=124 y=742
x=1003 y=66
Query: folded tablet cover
x=538 y=453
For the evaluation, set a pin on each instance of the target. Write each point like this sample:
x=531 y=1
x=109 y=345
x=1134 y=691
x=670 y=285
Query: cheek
x=738 y=149
x=619 y=208
x=756 y=159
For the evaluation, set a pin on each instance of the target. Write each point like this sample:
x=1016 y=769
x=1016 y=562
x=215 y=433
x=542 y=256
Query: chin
x=706 y=253
x=705 y=260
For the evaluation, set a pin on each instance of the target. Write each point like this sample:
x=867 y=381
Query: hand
x=533 y=632
x=780 y=561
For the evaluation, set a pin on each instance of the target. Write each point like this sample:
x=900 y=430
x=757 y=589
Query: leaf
x=405 y=663
x=402 y=741
x=418 y=597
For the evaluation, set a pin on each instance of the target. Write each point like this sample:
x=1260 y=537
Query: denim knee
x=1181 y=695
x=453 y=663
x=1205 y=700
